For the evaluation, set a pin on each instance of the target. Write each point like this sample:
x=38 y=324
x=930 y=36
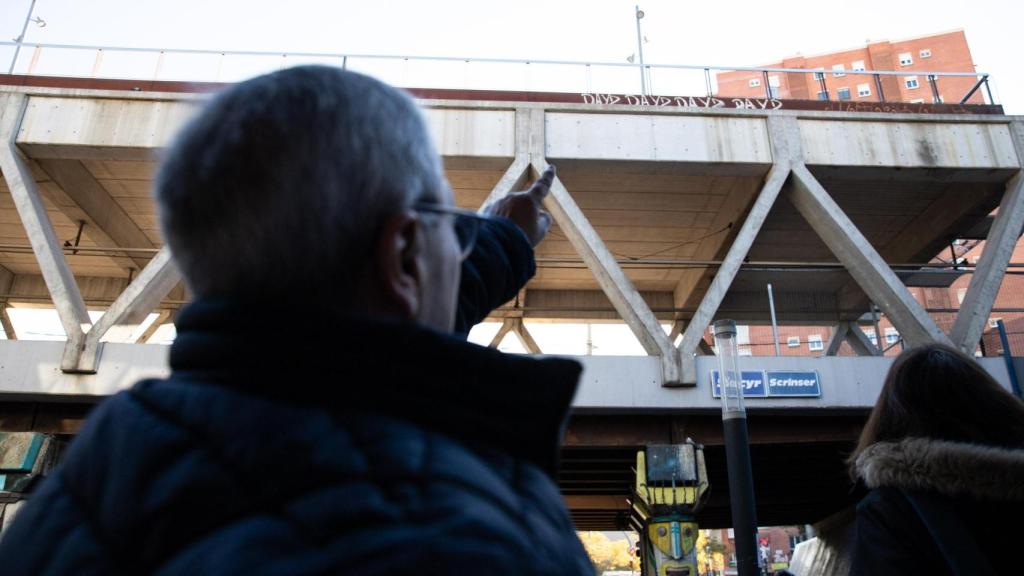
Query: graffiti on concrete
x=682 y=101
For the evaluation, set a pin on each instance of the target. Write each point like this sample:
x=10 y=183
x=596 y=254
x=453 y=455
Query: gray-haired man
x=320 y=418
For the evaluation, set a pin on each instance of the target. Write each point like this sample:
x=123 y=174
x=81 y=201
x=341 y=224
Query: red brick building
x=946 y=52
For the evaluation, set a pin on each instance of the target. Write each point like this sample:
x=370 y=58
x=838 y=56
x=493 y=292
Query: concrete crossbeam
x=988 y=276
x=862 y=261
x=49 y=254
x=140 y=297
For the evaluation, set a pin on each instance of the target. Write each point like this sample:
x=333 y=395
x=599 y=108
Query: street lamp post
x=640 y=50
x=737 y=449
x=21 y=37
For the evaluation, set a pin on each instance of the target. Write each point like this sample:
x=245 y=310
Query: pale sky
x=736 y=33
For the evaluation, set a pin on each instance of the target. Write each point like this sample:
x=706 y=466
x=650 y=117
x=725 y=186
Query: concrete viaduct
x=664 y=214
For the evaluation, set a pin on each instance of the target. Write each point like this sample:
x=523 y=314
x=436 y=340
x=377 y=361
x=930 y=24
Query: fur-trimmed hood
x=949 y=468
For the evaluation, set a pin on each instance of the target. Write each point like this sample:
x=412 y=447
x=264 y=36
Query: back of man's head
x=278 y=186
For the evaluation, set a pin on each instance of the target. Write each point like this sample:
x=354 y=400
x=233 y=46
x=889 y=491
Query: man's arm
x=502 y=261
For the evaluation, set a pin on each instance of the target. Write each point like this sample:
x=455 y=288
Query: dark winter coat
x=939 y=507
x=293 y=441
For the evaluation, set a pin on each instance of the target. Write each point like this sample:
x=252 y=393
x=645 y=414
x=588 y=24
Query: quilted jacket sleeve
x=499 y=266
x=52 y=535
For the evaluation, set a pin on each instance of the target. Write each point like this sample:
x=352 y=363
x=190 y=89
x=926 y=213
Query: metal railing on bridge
x=443 y=72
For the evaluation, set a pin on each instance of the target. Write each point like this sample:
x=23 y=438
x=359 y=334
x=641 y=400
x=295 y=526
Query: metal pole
x=775 y=325
x=707 y=80
x=767 y=88
x=1014 y=383
x=878 y=333
x=935 y=89
x=878 y=86
x=21 y=37
x=640 y=50
x=988 y=90
x=737 y=449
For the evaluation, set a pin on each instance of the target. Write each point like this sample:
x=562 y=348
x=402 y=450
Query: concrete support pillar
x=140 y=297
x=780 y=130
x=518 y=172
x=863 y=262
x=988 y=276
x=48 y=252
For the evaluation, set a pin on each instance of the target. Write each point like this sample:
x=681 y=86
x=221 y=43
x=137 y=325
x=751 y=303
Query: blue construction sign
x=774 y=383
x=753 y=384
x=794 y=383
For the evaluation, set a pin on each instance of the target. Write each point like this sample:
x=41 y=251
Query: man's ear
x=398 y=263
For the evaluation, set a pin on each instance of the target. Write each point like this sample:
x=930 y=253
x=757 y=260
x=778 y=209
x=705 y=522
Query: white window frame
x=917 y=101
x=892 y=336
x=858 y=66
x=994 y=322
x=793 y=341
x=754 y=82
x=839 y=96
x=821 y=95
x=819 y=75
x=863 y=90
x=907 y=81
x=815 y=343
x=925 y=53
x=906 y=59
x=838 y=70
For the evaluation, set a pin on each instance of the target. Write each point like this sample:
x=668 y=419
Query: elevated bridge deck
x=665 y=213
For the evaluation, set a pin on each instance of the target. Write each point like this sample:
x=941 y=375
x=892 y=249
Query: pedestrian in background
x=943 y=455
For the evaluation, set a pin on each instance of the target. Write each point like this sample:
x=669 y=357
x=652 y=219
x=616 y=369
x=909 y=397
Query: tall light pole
x=21 y=37
x=640 y=50
x=737 y=449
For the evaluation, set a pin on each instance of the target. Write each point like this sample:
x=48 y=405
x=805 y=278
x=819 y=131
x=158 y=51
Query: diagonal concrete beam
x=140 y=297
x=988 y=276
x=839 y=332
x=83 y=198
x=518 y=172
x=506 y=327
x=609 y=276
x=48 y=252
x=866 y=266
x=859 y=341
x=519 y=328
x=780 y=130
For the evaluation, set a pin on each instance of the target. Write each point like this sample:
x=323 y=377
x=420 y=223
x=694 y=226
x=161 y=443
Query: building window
x=843 y=93
x=773 y=86
x=911 y=82
x=863 y=90
x=906 y=59
x=891 y=336
x=754 y=82
x=822 y=95
x=838 y=70
x=819 y=75
x=814 y=342
x=994 y=322
x=917 y=101
x=960 y=293
x=926 y=53
x=871 y=336
x=858 y=65
x=793 y=341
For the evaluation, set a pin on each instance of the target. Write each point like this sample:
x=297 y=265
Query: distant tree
x=607 y=554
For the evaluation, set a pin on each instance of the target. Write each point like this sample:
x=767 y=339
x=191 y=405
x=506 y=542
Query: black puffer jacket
x=939 y=507
x=290 y=442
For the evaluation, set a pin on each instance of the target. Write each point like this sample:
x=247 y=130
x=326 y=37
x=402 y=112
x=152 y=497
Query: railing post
x=935 y=89
x=824 y=87
x=878 y=87
x=767 y=88
x=707 y=80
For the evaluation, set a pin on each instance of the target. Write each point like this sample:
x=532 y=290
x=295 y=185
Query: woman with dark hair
x=943 y=455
